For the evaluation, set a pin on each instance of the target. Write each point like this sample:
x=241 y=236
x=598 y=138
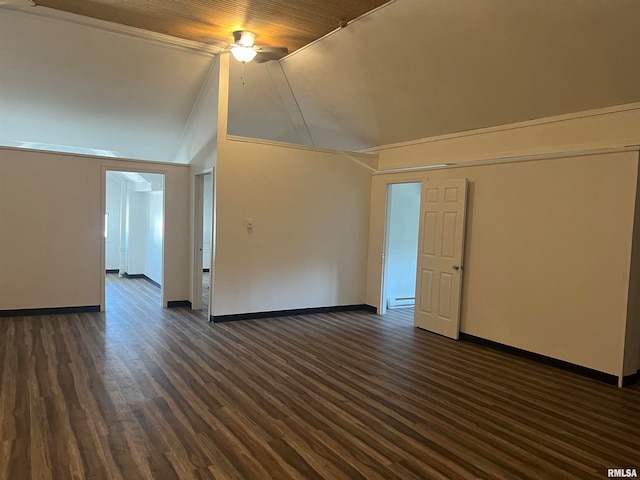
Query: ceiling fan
x=244 y=48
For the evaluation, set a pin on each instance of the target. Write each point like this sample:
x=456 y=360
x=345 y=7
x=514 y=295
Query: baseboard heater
x=400 y=302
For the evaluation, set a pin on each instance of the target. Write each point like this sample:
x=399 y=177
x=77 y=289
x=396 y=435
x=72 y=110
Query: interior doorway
x=203 y=242
x=133 y=232
x=401 y=246
x=207 y=229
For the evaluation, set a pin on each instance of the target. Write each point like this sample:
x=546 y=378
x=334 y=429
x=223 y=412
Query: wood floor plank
x=141 y=392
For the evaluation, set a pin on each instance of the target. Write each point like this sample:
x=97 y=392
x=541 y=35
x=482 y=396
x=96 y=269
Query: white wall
x=417 y=68
x=145 y=226
x=112 y=242
x=207 y=221
x=142 y=223
x=153 y=257
x=137 y=228
x=262 y=104
x=547 y=253
x=602 y=128
x=402 y=240
x=308 y=244
x=309 y=208
x=562 y=138
x=65 y=83
x=52 y=217
x=199 y=144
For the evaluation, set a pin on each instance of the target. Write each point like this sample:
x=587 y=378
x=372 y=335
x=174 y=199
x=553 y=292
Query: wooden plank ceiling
x=289 y=23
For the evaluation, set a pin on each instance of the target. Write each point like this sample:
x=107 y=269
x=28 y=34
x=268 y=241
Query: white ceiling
x=420 y=68
x=412 y=69
x=66 y=84
x=262 y=105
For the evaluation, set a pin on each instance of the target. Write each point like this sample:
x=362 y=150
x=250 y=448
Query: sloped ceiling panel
x=261 y=104
x=199 y=144
x=66 y=84
x=421 y=68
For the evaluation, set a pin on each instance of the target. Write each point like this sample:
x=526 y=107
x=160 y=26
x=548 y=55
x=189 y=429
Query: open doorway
x=134 y=235
x=401 y=247
x=207 y=229
x=203 y=243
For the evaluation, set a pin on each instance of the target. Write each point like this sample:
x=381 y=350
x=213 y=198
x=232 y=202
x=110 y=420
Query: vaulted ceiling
x=422 y=68
x=65 y=85
x=410 y=69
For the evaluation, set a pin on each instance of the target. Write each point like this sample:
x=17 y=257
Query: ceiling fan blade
x=266 y=54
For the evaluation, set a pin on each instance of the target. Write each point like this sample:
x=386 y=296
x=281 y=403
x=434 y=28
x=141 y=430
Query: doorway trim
x=385 y=248
x=378 y=223
x=103 y=207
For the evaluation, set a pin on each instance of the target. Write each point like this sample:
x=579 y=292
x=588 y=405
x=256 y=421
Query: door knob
x=456 y=267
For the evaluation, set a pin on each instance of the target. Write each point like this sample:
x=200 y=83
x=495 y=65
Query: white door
x=440 y=252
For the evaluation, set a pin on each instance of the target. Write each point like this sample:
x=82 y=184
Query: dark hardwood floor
x=139 y=392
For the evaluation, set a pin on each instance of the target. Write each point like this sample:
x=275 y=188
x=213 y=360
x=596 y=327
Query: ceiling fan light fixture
x=243 y=54
x=244 y=38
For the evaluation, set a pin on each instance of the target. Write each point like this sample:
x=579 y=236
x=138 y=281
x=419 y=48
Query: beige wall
x=51 y=223
x=547 y=257
x=308 y=247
